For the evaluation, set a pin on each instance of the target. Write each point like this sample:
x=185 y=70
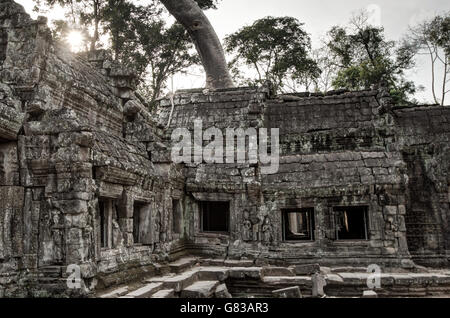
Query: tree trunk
x=96 y=26
x=208 y=45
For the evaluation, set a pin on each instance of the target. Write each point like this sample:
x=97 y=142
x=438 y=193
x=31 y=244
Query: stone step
x=239 y=263
x=222 y=292
x=245 y=272
x=213 y=273
x=276 y=271
x=369 y=294
x=290 y=292
x=333 y=279
x=287 y=280
x=226 y=263
x=306 y=269
x=146 y=291
x=348 y=269
x=177 y=282
x=200 y=289
x=354 y=278
x=182 y=264
x=162 y=269
x=164 y=293
x=116 y=293
x=51 y=271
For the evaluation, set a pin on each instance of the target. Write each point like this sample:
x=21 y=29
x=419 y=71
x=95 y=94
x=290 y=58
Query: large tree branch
x=444 y=85
x=208 y=45
x=433 y=62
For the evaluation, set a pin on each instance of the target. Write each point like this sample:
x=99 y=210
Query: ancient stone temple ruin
x=86 y=179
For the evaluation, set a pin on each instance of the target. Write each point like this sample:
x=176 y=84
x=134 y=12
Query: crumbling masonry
x=86 y=176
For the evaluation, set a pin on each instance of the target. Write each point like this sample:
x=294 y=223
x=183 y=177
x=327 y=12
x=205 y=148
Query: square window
x=298 y=225
x=215 y=216
x=351 y=223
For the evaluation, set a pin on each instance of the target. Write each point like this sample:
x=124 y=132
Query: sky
x=318 y=16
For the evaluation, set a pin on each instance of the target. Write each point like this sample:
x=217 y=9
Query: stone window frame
x=214 y=196
x=313 y=224
x=137 y=208
x=228 y=218
x=105 y=235
x=146 y=210
x=367 y=219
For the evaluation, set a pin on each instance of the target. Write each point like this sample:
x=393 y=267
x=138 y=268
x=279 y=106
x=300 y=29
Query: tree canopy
x=137 y=36
x=277 y=48
x=364 y=58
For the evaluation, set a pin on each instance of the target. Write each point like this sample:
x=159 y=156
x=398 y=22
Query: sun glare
x=75 y=40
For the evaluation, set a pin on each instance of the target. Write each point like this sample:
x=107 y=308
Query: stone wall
x=86 y=175
x=422 y=135
x=75 y=139
x=333 y=154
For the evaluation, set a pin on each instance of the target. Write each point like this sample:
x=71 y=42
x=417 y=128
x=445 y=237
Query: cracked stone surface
x=86 y=179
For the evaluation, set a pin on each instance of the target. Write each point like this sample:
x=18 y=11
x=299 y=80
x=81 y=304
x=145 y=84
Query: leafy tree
x=62 y=30
x=123 y=21
x=277 y=49
x=207 y=4
x=85 y=13
x=432 y=38
x=325 y=62
x=363 y=57
x=138 y=37
x=166 y=51
x=156 y=50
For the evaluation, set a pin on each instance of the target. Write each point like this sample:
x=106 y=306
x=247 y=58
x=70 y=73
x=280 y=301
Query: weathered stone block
x=290 y=292
x=308 y=269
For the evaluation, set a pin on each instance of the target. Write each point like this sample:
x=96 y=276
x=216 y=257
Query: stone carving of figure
x=57 y=236
x=247 y=228
x=266 y=231
x=117 y=234
x=157 y=228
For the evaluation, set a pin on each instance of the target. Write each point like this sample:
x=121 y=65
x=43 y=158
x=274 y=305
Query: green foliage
x=138 y=36
x=166 y=51
x=438 y=32
x=364 y=58
x=207 y=4
x=81 y=15
x=276 y=48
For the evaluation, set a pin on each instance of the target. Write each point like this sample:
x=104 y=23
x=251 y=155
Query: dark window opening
x=94 y=173
x=351 y=223
x=3 y=44
x=137 y=222
x=36 y=116
x=103 y=224
x=130 y=117
x=3 y=159
x=298 y=225
x=176 y=217
x=2 y=163
x=215 y=216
